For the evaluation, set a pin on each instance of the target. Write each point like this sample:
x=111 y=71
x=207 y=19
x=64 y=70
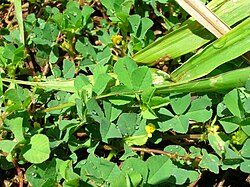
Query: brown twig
x=193 y=184
x=223 y=178
x=148 y=150
x=19 y=172
x=248 y=179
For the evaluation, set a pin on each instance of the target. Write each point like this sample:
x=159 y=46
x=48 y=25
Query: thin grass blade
x=19 y=16
x=67 y=85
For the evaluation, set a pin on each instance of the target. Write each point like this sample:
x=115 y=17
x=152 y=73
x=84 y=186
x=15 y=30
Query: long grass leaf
x=62 y=85
x=225 y=81
x=19 y=16
x=192 y=35
x=229 y=46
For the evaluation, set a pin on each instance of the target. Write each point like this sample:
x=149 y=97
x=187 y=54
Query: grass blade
x=19 y=16
x=62 y=85
x=192 y=35
x=225 y=81
x=204 y=16
x=231 y=45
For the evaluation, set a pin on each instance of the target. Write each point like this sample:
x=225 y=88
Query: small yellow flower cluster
x=116 y=39
x=150 y=128
x=213 y=129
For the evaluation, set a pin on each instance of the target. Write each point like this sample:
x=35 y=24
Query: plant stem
x=111 y=154
x=182 y=136
x=19 y=172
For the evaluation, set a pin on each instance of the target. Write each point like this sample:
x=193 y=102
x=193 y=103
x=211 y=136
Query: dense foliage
x=88 y=98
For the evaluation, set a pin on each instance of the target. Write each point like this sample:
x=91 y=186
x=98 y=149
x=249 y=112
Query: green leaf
x=136 y=140
x=217 y=143
x=180 y=124
x=148 y=113
x=54 y=55
x=246 y=105
x=245 y=125
x=68 y=69
x=8 y=52
x=135 y=164
x=38 y=150
x=128 y=153
x=127 y=123
x=157 y=102
x=122 y=99
x=109 y=130
x=84 y=47
x=146 y=23
x=180 y=102
x=101 y=82
x=245 y=166
x=104 y=56
x=94 y=109
x=111 y=112
x=7 y=145
x=1 y=85
x=44 y=174
x=124 y=68
x=100 y=171
x=141 y=78
x=86 y=12
x=133 y=178
x=147 y=95
x=198 y=109
x=232 y=101
x=179 y=176
x=134 y=21
x=210 y=162
x=232 y=159
x=82 y=82
x=230 y=123
x=175 y=149
x=160 y=169
x=16 y=126
x=248 y=85
x=166 y=119
x=245 y=151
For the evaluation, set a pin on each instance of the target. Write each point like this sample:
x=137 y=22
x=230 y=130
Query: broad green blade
x=192 y=35
x=225 y=81
x=229 y=46
x=19 y=16
x=204 y=16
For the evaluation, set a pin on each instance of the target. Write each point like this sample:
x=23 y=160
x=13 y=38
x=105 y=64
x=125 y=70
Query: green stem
x=111 y=154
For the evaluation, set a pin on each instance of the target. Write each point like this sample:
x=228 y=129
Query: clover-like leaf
x=160 y=169
x=210 y=161
x=38 y=150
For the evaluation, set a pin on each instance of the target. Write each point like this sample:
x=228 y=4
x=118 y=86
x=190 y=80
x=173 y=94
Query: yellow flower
x=116 y=39
x=213 y=129
x=150 y=128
